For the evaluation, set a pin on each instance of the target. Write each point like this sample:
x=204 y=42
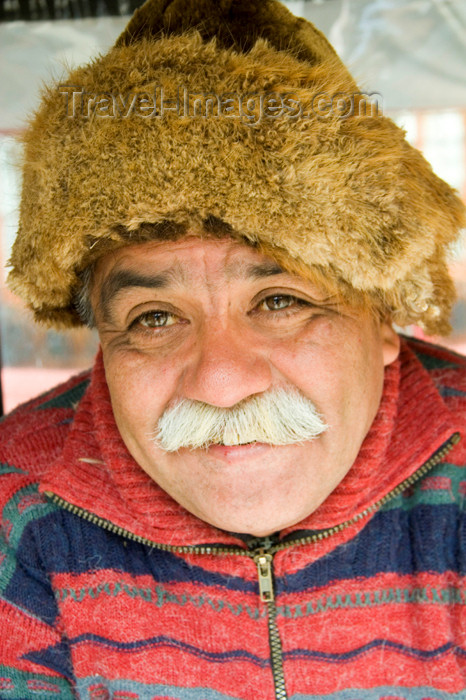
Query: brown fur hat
x=329 y=191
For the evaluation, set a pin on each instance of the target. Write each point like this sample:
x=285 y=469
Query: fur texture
x=345 y=201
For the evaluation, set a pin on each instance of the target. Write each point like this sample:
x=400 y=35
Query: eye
x=277 y=302
x=155 y=319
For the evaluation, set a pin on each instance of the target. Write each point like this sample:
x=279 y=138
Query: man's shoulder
x=33 y=434
x=435 y=358
x=447 y=370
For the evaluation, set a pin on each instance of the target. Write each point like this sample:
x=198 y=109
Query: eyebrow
x=122 y=279
x=255 y=271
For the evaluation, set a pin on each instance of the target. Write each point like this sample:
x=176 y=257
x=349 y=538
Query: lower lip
x=238 y=451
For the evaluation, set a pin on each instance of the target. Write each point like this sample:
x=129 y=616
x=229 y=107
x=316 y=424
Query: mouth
x=238 y=444
x=245 y=450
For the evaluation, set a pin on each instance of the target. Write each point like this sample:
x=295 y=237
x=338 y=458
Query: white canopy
x=412 y=52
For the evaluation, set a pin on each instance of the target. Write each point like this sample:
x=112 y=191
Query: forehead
x=186 y=261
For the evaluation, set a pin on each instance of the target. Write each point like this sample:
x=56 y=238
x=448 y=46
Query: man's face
x=216 y=322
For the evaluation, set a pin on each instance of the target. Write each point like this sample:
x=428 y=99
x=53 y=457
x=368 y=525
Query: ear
x=390 y=342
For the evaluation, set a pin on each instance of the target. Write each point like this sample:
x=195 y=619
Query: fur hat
x=331 y=192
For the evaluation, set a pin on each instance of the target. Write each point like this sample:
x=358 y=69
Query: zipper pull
x=264 y=572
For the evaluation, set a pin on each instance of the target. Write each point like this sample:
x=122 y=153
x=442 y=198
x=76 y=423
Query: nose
x=228 y=366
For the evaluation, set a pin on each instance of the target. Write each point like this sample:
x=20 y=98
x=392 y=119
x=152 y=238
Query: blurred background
x=411 y=52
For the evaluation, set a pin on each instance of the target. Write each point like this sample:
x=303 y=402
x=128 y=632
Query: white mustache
x=277 y=417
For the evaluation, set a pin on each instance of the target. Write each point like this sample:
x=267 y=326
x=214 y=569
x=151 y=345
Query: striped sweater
x=109 y=590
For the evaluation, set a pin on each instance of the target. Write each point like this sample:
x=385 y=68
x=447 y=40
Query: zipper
x=263 y=556
x=264 y=563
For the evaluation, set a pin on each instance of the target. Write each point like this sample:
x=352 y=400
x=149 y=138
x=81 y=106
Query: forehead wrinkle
x=240 y=270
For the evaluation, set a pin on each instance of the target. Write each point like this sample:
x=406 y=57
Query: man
x=257 y=492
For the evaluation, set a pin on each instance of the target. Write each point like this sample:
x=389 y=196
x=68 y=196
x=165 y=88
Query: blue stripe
x=163 y=640
x=55 y=657
x=6 y=468
x=49 y=657
x=424 y=654
x=148 y=691
x=66 y=399
x=424 y=350
x=425 y=538
x=69 y=544
x=447 y=391
x=392 y=691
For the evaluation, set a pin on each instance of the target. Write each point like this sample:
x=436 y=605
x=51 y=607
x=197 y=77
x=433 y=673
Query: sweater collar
x=96 y=473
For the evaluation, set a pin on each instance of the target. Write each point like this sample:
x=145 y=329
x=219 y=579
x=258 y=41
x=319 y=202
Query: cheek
x=338 y=366
x=140 y=387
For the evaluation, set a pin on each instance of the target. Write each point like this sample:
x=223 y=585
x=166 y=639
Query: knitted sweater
x=109 y=590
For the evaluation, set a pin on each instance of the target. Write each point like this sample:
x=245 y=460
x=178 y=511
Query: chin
x=250 y=525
